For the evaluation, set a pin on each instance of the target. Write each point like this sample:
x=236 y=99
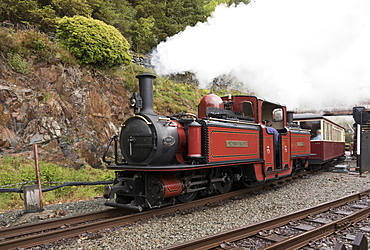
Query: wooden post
x=31 y=198
x=38 y=179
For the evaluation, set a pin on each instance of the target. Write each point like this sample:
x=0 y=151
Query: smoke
x=305 y=54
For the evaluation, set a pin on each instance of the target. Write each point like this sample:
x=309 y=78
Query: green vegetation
x=144 y=23
x=170 y=98
x=129 y=73
x=18 y=64
x=18 y=170
x=93 y=42
x=23 y=48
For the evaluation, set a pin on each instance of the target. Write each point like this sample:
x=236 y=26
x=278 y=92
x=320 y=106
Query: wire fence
x=3 y=189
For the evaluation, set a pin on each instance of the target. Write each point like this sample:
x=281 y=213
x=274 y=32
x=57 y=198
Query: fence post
x=38 y=179
x=33 y=193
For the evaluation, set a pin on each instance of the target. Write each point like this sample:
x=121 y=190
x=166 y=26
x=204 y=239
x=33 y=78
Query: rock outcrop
x=69 y=113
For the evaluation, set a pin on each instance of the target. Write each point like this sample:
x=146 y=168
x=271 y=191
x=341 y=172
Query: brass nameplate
x=236 y=144
x=300 y=144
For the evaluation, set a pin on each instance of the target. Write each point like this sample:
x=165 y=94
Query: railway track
x=39 y=233
x=293 y=230
x=44 y=232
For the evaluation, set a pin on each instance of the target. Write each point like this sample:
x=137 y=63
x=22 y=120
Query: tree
x=71 y=8
x=93 y=42
x=211 y=5
x=45 y=18
x=145 y=38
x=118 y=13
x=143 y=23
x=17 y=10
x=170 y=17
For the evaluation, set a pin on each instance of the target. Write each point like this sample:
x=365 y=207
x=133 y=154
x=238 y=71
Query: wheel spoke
x=226 y=185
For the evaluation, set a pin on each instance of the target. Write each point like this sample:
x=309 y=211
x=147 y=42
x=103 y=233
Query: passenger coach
x=327 y=137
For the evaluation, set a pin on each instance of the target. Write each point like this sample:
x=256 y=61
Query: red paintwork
x=271 y=169
x=182 y=142
x=172 y=186
x=286 y=152
x=326 y=150
x=257 y=106
x=237 y=100
x=300 y=144
x=194 y=140
x=268 y=151
x=258 y=170
x=220 y=137
x=210 y=100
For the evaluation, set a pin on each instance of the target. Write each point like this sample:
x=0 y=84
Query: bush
x=93 y=42
x=18 y=64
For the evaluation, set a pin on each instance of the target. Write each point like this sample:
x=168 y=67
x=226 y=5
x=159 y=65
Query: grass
x=23 y=48
x=19 y=170
x=171 y=97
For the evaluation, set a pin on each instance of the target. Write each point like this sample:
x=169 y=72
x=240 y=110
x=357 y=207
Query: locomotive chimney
x=146 y=92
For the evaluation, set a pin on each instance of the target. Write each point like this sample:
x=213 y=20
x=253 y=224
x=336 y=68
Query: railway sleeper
x=359 y=243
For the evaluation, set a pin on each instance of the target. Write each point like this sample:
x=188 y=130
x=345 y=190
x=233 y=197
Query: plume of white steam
x=305 y=54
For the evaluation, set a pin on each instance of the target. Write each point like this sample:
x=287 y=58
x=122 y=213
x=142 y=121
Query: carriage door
x=269 y=152
x=285 y=151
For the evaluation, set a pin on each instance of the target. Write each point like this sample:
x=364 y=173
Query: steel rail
x=249 y=230
x=56 y=223
x=302 y=239
x=22 y=240
x=62 y=233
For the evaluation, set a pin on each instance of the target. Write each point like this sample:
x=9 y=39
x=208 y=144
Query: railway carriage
x=161 y=160
x=327 y=138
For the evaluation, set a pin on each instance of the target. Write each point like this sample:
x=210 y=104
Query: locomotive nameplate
x=300 y=144
x=236 y=144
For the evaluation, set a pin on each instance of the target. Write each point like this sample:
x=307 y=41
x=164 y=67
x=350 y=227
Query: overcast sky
x=304 y=54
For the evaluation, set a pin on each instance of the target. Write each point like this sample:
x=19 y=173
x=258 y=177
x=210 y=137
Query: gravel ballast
x=168 y=230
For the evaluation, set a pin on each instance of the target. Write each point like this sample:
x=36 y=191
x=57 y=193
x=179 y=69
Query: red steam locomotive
x=169 y=159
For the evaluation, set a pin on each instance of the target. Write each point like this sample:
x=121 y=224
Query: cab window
x=277 y=115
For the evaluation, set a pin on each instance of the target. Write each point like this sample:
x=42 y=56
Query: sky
x=303 y=54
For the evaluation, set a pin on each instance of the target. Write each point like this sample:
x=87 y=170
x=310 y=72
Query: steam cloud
x=305 y=54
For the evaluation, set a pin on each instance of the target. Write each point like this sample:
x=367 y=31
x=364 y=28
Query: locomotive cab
x=283 y=148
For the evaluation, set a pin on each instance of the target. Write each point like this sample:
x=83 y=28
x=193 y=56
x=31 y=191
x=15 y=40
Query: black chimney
x=146 y=92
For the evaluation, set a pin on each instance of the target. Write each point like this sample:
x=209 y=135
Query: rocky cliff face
x=68 y=112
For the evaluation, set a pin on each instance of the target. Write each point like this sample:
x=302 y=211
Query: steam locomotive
x=162 y=160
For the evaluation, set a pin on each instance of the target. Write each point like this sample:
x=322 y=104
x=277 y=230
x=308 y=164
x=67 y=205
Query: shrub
x=21 y=48
x=93 y=42
x=18 y=64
